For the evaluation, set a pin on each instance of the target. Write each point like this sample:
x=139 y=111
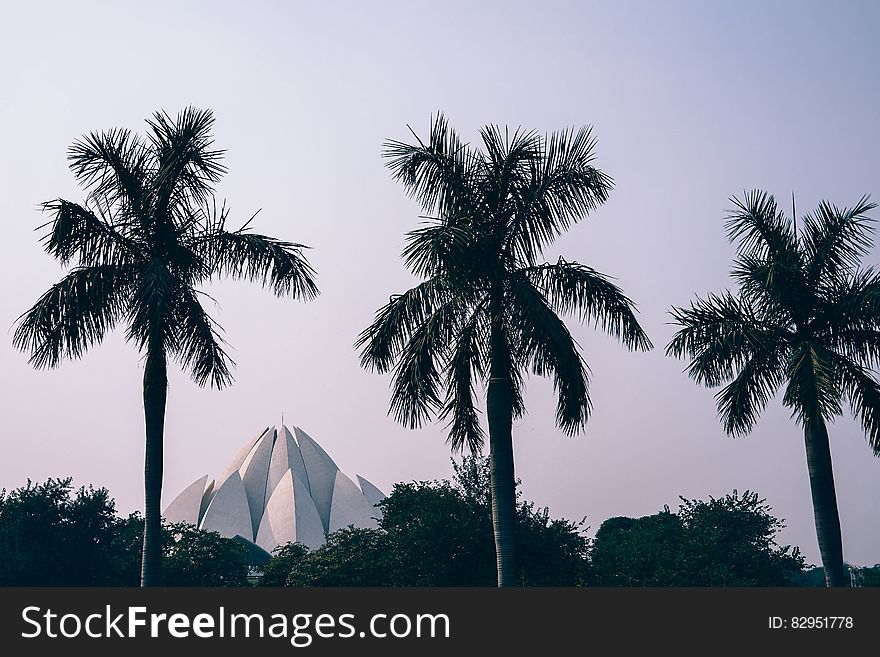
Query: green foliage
x=51 y=535
x=284 y=559
x=552 y=551
x=869 y=576
x=812 y=577
x=125 y=557
x=730 y=542
x=471 y=477
x=351 y=557
x=856 y=576
x=727 y=541
x=431 y=534
x=638 y=551
x=193 y=557
x=190 y=556
x=439 y=534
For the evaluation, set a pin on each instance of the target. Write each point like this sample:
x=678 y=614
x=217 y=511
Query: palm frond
x=742 y=400
x=770 y=266
x=437 y=174
x=152 y=307
x=445 y=247
x=760 y=227
x=517 y=388
x=542 y=340
x=199 y=345
x=813 y=391
x=506 y=164
x=258 y=258
x=76 y=233
x=384 y=340
x=720 y=334
x=779 y=288
x=74 y=314
x=466 y=360
x=416 y=390
x=863 y=393
x=861 y=345
x=851 y=303
x=836 y=239
x=562 y=187
x=490 y=212
x=114 y=166
x=187 y=165
x=506 y=153
x=576 y=289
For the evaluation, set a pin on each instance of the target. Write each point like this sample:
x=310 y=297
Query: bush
x=723 y=542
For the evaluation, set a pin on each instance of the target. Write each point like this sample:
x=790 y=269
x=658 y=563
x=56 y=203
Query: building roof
x=280 y=487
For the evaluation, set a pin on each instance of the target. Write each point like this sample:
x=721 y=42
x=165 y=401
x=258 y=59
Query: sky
x=690 y=102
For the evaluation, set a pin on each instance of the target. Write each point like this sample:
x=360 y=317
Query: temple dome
x=280 y=487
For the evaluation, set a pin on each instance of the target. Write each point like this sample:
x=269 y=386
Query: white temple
x=278 y=489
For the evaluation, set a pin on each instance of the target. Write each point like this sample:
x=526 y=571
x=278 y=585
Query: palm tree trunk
x=500 y=415
x=155 y=393
x=824 y=501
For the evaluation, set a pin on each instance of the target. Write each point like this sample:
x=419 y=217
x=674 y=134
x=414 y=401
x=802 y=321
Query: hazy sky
x=691 y=102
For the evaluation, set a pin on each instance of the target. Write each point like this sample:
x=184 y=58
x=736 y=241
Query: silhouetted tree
x=488 y=308
x=639 y=551
x=194 y=557
x=729 y=541
x=553 y=551
x=148 y=234
x=806 y=317
x=438 y=536
x=284 y=559
x=51 y=535
x=870 y=576
x=350 y=557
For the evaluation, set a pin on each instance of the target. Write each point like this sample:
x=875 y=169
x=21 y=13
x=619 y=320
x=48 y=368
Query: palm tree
x=488 y=308
x=148 y=233
x=807 y=317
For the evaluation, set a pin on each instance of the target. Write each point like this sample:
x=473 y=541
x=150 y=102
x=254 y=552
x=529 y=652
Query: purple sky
x=691 y=103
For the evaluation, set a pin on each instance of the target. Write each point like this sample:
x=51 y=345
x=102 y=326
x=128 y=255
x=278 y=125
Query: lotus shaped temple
x=278 y=488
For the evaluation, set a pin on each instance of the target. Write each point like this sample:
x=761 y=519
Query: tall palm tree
x=488 y=308
x=806 y=317
x=148 y=233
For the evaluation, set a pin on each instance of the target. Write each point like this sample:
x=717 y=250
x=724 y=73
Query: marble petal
x=185 y=507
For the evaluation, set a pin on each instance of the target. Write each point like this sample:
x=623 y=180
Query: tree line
x=430 y=534
x=804 y=315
